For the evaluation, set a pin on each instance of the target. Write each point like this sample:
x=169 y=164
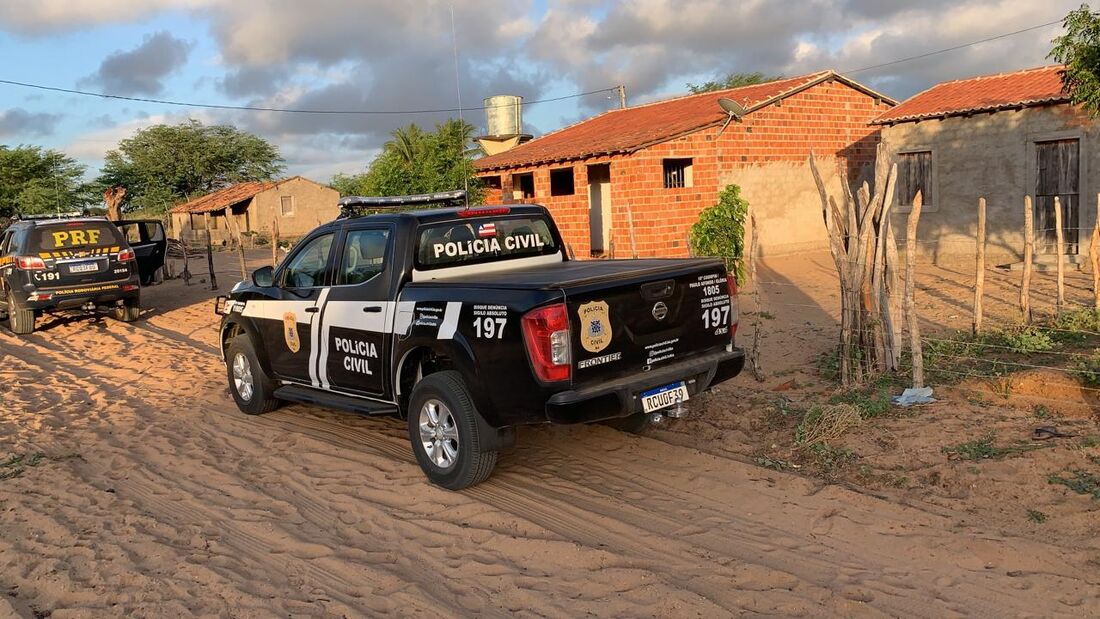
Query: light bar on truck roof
x=46 y=216
x=351 y=204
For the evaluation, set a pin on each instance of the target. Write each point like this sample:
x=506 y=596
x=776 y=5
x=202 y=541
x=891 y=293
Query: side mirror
x=264 y=277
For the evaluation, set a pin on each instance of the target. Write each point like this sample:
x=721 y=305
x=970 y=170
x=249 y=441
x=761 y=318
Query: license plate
x=84 y=267
x=663 y=397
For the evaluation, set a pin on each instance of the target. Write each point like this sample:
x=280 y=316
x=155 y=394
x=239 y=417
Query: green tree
x=416 y=161
x=164 y=164
x=732 y=80
x=720 y=231
x=1079 y=50
x=34 y=180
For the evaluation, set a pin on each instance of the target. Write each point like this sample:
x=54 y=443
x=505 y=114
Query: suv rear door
x=146 y=237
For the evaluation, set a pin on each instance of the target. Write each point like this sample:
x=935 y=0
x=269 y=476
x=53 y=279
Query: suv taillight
x=731 y=281
x=126 y=254
x=546 y=334
x=29 y=263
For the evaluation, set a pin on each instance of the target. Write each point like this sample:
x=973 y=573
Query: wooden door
x=1057 y=175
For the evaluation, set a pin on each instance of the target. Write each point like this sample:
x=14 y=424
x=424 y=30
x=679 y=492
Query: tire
x=21 y=321
x=456 y=460
x=243 y=369
x=129 y=311
x=634 y=424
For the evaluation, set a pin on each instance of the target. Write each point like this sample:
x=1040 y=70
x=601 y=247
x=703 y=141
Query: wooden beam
x=910 y=276
x=1060 y=255
x=1029 y=257
x=979 y=267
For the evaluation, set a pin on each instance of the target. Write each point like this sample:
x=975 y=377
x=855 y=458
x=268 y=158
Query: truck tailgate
x=631 y=322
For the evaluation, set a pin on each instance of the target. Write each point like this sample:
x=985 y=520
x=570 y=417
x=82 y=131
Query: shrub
x=720 y=231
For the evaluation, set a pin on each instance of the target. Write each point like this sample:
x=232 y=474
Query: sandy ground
x=155 y=497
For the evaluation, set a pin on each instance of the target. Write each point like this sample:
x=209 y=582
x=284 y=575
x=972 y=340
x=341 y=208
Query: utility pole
x=622 y=96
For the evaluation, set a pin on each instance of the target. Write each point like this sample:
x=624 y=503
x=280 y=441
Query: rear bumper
x=67 y=298
x=619 y=398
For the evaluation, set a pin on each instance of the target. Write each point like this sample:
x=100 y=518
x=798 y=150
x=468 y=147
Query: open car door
x=146 y=237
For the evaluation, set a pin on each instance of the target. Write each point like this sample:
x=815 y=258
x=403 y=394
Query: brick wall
x=765 y=153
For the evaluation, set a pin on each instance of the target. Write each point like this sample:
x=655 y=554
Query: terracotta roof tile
x=223 y=197
x=627 y=130
x=988 y=93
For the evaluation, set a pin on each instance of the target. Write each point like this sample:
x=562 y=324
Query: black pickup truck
x=471 y=321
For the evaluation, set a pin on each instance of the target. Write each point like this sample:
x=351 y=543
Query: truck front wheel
x=444 y=432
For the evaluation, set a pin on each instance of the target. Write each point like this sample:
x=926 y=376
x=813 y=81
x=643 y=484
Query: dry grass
x=827 y=423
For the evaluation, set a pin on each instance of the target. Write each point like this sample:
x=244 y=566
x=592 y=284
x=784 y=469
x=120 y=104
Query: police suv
x=56 y=263
x=471 y=321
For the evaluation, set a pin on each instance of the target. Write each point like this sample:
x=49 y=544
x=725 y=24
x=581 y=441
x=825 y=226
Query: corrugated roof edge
x=813 y=79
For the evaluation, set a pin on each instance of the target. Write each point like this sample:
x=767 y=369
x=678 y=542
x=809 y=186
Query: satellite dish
x=733 y=108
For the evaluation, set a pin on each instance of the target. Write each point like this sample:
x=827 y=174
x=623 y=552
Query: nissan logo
x=660 y=310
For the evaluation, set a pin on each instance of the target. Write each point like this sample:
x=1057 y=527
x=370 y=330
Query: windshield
x=484 y=239
x=75 y=235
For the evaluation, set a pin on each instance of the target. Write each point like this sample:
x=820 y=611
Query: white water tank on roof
x=504 y=115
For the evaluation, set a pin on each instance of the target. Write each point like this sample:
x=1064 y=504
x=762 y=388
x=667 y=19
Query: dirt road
x=156 y=497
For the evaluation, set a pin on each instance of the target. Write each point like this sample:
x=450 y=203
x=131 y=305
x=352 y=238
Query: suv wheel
x=251 y=387
x=20 y=320
x=444 y=432
x=129 y=311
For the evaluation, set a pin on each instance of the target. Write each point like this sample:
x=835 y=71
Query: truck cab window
x=364 y=255
x=307 y=268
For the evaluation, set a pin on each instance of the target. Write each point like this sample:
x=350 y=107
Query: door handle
x=372 y=309
x=312 y=310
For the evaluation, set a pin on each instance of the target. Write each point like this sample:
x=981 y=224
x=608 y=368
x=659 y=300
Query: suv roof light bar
x=45 y=216
x=350 y=205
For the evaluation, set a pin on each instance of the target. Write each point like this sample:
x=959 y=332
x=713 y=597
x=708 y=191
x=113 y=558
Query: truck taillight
x=126 y=254
x=546 y=334
x=29 y=263
x=731 y=281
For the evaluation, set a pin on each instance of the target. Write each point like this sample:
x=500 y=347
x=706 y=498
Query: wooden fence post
x=274 y=243
x=979 y=277
x=235 y=230
x=910 y=275
x=757 y=323
x=1029 y=256
x=210 y=253
x=1060 y=256
x=1094 y=256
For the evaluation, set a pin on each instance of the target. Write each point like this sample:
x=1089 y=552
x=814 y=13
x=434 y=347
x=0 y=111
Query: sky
x=400 y=56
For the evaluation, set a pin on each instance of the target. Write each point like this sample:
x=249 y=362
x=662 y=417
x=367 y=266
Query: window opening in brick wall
x=677 y=173
x=491 y=182
x=286 y=205
x=561 y=182
x=915 y=174
x=523 y=186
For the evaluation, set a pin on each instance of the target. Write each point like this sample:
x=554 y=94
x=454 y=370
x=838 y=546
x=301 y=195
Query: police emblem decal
x=595 y=326
x=290 y=332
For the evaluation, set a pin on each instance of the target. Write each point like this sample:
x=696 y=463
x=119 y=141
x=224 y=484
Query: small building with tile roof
x=632 y=181
x=297 y=204
x=1000 y=137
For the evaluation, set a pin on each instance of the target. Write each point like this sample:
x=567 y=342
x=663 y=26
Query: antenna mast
x=461 y=120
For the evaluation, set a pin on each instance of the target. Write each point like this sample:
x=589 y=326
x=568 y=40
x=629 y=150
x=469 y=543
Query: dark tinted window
x=307 y=268
x=484 y=239
x=75 y=235
x=364 y=255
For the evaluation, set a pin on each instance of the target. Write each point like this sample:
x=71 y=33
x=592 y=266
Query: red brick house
x=661 y=163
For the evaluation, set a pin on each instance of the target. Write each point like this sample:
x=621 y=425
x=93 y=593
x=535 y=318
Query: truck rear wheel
x=20 y=320
x=251 y=387
x=129 y=311
x=444 y=432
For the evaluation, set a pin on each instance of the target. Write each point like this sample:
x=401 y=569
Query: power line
x=951 y=49
x=252 y=108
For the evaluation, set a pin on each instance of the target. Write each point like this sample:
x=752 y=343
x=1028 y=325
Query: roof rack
x=351 y=205
x=41 y=216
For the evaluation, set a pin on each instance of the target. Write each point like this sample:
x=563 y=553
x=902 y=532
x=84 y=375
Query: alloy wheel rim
x=242 y=377
x=439 y=434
